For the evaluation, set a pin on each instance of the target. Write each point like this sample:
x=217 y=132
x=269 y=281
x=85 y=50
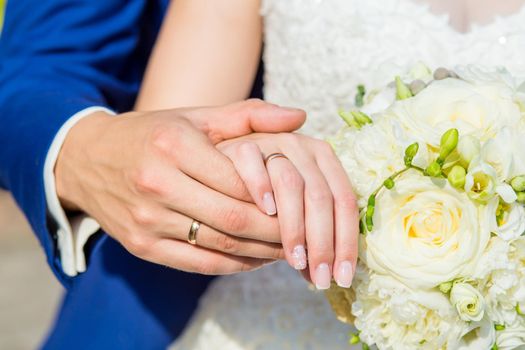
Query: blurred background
x=29 y=294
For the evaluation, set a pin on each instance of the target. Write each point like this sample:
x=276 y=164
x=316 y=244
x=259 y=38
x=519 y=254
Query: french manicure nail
x=322 y=276
x=299 y=257
x=345 y=275
x=269 y=204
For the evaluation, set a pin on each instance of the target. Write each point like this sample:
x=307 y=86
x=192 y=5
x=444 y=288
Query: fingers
x=346 y=215
x=192 y=153
x=246 y=117
x=319 y=221
x=191 y=258
x=249 y=163
x=288 y=186
x=177 y=226
x=219 y=211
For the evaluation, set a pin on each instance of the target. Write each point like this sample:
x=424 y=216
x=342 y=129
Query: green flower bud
x=518 y=183
x=449 y=141
x=457 y=176
x=411 y=150
x=361 y=118
x=434 y=169
x=365 y=347
x=389 y=183
x=360 y=95
x=499 y=327
x=494 y=347
x=521 y=197
x=369 y=216
x=402 y=91
x=410 y=153
x=446 y=287
x=349 y=119
x=354 y=339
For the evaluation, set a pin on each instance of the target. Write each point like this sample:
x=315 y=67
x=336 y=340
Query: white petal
x=506 y=193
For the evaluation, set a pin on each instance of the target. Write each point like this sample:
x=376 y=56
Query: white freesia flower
x=482 y=183
x=512 y=337
x=468 y=302
x=512 y=225
x=426 y=232
x=479 y=110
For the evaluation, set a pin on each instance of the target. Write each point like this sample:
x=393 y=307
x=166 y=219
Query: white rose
x=426 y=232
x=373 y=153
x=512 y=225
x=512 y=337
x=468 y=301
x=474 y=109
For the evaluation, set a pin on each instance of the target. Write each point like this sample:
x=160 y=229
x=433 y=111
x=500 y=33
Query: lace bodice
x=316 y=53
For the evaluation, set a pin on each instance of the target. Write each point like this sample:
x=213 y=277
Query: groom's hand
x=146 y=176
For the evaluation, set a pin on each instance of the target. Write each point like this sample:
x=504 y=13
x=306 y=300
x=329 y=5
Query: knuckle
x=291 y=179
x=346 y=201
x=234 y=219
x=277 y=254
x=142 y=216
x=227 y=244
x=319 y=194
x=166 y=139
x=207 y=267
x=146 y=182
x=246 y=150
x=325 y=149
x=136 y=243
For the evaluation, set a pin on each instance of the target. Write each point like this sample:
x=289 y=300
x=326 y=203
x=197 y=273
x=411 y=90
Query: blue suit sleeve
x=58 y=57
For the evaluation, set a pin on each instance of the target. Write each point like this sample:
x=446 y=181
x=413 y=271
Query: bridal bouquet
x=438 y=164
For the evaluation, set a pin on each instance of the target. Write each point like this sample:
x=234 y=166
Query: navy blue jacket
x=58 y=57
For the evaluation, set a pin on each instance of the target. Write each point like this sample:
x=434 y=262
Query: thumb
x=246 y=117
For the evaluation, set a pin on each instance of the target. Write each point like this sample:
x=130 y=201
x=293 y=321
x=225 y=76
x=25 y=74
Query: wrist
x=74 y=157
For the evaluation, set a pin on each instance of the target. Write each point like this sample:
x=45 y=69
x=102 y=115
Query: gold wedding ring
x=273 y=156
x=192 y=235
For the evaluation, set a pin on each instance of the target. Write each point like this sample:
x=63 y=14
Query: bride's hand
x=316 y=206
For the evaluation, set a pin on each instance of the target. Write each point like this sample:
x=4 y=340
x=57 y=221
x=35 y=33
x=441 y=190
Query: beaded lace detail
x=316 y=53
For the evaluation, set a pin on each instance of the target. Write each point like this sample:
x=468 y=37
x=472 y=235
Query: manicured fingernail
x=322 y=276
x=345 y=275
x=299 y=257
x=269 y=203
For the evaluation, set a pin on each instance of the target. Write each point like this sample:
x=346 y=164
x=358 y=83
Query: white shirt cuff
x=72 y=234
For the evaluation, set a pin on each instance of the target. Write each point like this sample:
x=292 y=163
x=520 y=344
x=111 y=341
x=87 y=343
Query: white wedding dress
x=316 y=53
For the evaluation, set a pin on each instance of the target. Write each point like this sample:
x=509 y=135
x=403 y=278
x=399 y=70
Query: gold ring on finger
x=192 y=234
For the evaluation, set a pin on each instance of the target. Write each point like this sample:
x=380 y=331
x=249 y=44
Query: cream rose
x=426 y=232
x=468 y=301
x=474 y=109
